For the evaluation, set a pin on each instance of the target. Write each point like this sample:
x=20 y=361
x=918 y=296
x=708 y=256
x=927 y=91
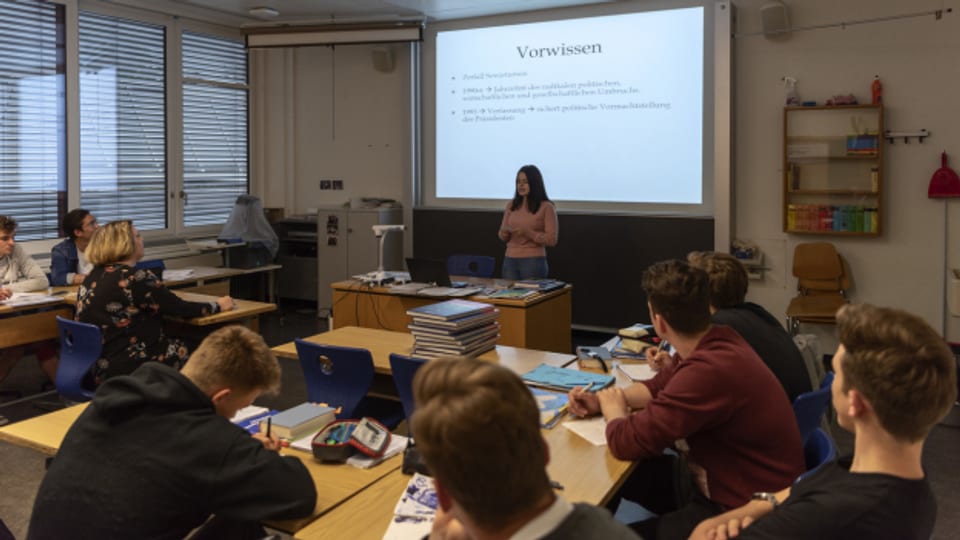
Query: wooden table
x=42 y=433
x=20 y=325
x=381 y=343
x=541 y=321
x=335 y=483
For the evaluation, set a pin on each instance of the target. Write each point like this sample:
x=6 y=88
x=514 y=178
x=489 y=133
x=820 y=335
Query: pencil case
x=339 y=439
x=332 y=443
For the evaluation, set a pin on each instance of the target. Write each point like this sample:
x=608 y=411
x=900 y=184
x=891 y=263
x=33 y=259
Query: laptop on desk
x=431 y=271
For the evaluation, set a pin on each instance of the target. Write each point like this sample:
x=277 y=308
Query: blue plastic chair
x=471 y=265
x=809 y=407
x=404 y=368
x=156 y=265
x=818 y=450
x=341 y=377
x=80 y=347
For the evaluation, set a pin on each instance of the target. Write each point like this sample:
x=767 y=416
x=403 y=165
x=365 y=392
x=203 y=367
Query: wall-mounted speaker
x=382 y=59
x=775 y=19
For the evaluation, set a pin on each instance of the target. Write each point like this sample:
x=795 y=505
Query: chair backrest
x=338 y=376
x=471 y=265
x=80 y=347
x=404 y=368
x=809 y=407
x=157 y=265
x=818 y=267
x=818 y=450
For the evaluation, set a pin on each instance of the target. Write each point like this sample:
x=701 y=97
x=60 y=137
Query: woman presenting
x=129 y=303
x=529 y=226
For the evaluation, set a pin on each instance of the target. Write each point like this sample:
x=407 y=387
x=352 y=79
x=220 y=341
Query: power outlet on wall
x=331 y=183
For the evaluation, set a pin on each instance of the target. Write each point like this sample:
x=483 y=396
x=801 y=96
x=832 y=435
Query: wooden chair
x=823 y=279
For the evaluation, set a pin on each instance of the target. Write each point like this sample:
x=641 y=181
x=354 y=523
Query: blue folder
x=557 y=378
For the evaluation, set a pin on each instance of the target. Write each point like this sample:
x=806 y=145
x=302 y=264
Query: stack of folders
x=454 y=328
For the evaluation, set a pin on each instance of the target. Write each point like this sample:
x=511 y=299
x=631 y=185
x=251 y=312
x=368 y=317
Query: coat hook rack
x=891 y=136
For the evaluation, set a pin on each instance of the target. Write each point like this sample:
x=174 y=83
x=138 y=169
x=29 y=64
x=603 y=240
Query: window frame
x=174 y=27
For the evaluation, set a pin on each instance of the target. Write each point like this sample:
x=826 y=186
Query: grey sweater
x=19 y=272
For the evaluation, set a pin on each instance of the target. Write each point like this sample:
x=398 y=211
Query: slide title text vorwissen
x=525 y=51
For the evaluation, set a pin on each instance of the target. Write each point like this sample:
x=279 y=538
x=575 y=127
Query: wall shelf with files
x=833 y=170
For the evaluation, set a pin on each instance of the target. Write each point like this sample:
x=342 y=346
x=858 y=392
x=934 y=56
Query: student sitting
x=478 y=429
x=894 y=379
x=760 y=329
x=155 y=454
x=128 y=304
x=20 y=273
x=68 y=265
x=736 y=423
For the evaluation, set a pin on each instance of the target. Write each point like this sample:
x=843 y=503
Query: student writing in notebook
x=20 y=273
x=155 y=454
x=478 y=429
x=738 y=428
x=529 y=226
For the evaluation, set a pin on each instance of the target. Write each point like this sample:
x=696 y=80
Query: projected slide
x=610 y=108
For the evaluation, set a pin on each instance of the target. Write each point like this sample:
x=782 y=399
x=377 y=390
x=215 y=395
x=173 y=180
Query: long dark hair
x=538 y=193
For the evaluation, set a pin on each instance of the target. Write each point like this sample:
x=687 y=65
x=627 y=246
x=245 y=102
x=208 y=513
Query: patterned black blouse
x=128 y=305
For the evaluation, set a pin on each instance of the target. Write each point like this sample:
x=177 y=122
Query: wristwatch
x=766 y=496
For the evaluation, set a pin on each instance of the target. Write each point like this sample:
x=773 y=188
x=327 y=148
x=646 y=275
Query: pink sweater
x=542 y=227
x=733 y=413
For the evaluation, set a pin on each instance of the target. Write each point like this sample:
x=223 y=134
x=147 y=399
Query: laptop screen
x=428 y=271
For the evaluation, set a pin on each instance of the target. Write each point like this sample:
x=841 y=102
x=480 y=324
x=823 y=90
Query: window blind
x=214 y=127
x=122 y=120
x=32 y=123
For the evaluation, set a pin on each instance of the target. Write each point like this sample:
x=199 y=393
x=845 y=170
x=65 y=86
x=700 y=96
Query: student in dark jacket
x=129 y=303
x=155 y=454
x=760 y=329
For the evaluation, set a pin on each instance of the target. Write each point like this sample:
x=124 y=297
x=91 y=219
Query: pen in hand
x=269 y=425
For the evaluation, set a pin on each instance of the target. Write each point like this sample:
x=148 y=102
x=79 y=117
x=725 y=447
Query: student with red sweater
x=717 y=404
x=529 y=226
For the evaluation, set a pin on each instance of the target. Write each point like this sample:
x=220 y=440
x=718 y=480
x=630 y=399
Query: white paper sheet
x=594 y=430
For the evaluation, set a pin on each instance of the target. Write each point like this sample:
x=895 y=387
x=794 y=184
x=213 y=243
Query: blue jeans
x=525 y=268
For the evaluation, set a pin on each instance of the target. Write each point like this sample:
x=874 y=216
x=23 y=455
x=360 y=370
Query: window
x=122 y=120
x=32 y=123
x=214 y=127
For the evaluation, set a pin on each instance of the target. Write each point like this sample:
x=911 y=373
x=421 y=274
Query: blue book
x=449 y=310
x=558 y=378
x=552 y=405
x=299 y=421
x=252 y=423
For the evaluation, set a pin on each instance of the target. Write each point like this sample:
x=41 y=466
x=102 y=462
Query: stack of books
x=635 y=339
x=454 y=328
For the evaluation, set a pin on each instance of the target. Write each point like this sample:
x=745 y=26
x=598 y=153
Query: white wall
x=324 y=113
x=916 y=61
x=368 y=144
